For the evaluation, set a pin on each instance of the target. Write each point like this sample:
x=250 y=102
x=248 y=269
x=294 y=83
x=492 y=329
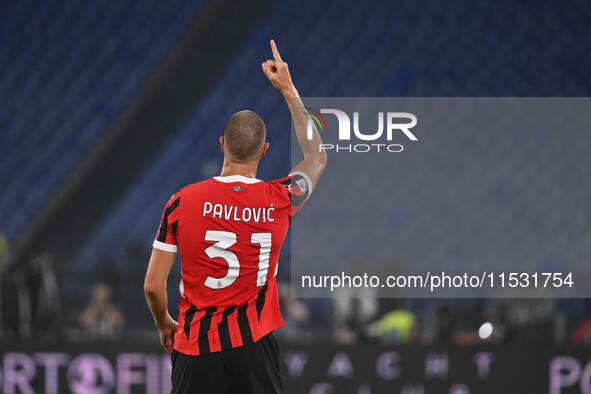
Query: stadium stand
x=63 y=83
x=395 y=49
x=370 y=65
x=73 y=84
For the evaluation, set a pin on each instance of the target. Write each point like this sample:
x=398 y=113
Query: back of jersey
x=228 y=232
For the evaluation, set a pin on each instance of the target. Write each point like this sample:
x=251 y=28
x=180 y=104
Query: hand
x=278 y=73
x=166 y=332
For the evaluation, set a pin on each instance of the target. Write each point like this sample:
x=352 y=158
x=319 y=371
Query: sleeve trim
x=308 y=181
x=165 y=247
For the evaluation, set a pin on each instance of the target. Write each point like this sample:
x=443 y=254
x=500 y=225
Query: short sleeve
x=166 y=236
x=299 y=188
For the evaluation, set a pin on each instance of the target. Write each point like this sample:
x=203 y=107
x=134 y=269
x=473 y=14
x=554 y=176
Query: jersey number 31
x=225 y=239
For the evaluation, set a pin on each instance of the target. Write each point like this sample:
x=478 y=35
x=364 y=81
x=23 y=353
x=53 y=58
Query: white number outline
x=224 y=240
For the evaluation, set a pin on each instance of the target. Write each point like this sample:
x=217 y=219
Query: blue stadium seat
x=375 y=48
x=67 y=68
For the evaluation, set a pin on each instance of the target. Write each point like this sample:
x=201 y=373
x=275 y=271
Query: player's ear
x=264 y=149
x=222 y=143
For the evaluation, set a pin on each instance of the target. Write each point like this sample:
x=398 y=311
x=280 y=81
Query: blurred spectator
x=295 y=315
x=459 y=322
x=353 y=315
x=398 y=326
x=468 y=320
x=581 y=334
x=295 y=310
x=101 y=319
x=530 y=320
x=446 y=316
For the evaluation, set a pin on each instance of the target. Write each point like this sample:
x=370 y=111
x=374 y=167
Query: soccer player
x=229 y=231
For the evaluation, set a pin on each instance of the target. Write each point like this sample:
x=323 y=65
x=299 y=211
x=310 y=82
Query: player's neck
x=248 y=170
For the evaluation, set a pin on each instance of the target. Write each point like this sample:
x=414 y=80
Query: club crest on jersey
x=237 y=188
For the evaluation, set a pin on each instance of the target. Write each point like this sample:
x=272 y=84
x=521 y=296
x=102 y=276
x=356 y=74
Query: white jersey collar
x=236 y=178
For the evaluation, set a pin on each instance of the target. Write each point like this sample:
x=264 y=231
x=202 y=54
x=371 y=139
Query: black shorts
x=248 y=369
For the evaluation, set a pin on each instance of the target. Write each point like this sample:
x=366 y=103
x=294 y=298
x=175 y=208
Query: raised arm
x=314 y=158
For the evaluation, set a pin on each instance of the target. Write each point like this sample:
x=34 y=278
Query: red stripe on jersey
x=186 y=331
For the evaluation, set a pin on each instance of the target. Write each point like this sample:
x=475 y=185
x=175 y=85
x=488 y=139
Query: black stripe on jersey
x=244 y=325
x=174 y=226
x=296 y=200
x=173 y=206
x=164 y=225
x=163 y=229
x=223 y=330
x=189 y=314
x=260 y=302
x=204 y=326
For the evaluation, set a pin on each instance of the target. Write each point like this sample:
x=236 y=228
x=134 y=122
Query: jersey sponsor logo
x=237 y=188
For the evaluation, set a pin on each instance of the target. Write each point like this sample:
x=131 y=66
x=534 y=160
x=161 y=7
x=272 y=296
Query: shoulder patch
x=302 y=184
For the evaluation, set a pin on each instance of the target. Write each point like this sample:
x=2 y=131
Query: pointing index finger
x=275 y=51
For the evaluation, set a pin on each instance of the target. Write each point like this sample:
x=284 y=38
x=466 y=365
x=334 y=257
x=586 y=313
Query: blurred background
x=107 y=108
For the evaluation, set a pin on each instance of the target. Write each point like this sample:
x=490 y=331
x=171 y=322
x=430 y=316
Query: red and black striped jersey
x=229 y=232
